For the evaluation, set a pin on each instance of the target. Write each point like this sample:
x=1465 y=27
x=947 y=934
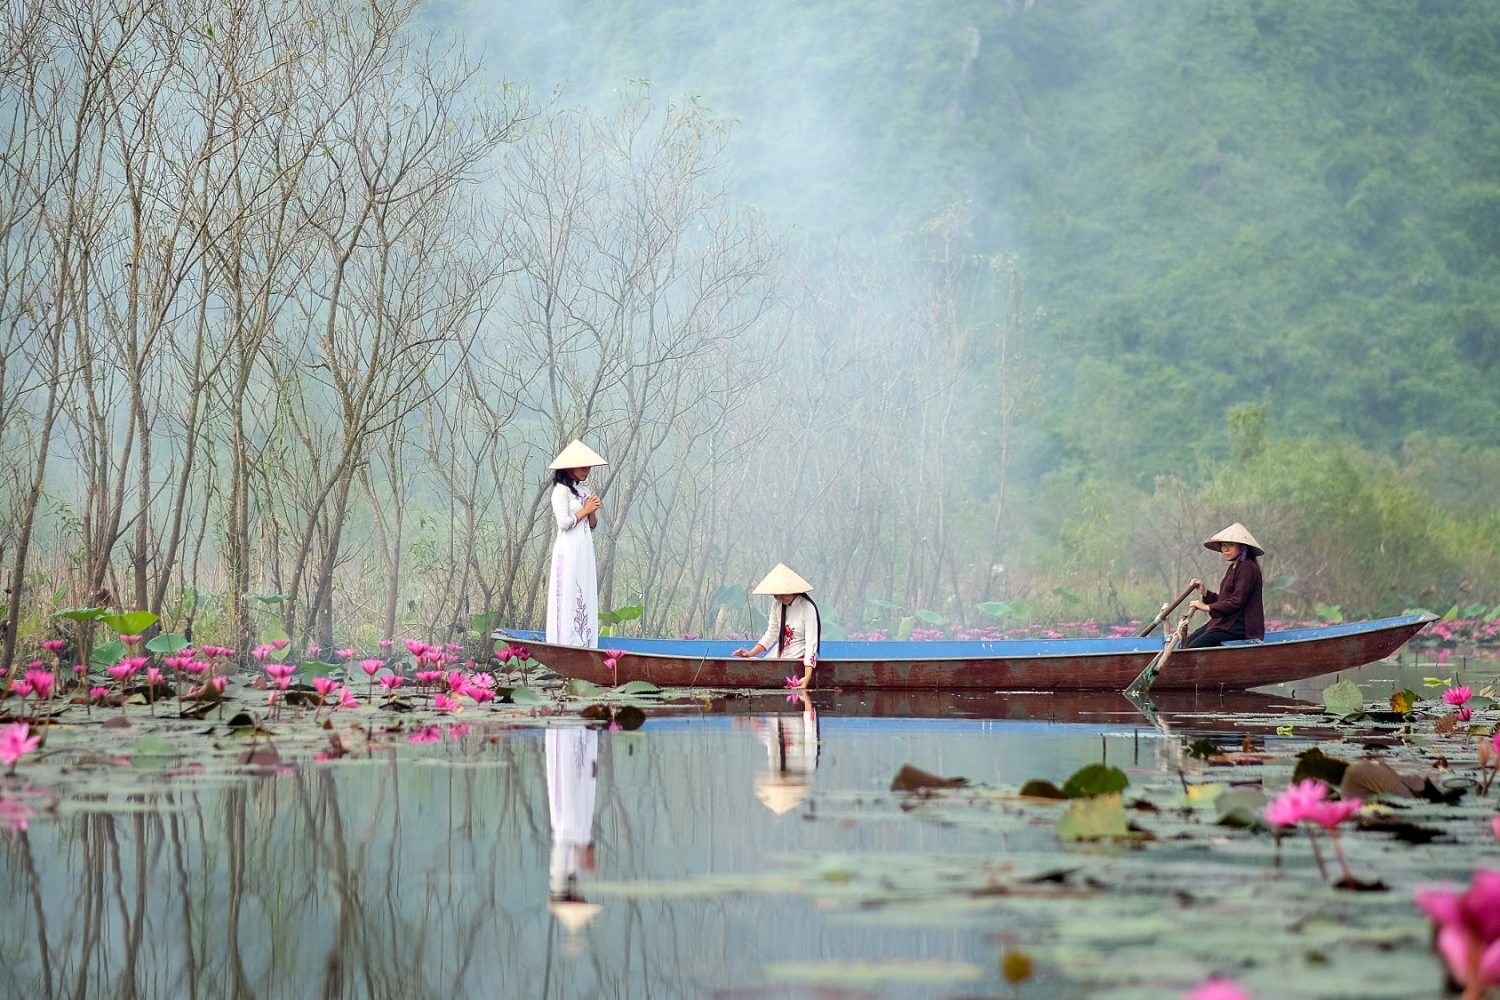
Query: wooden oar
x=1147 y=677
x=1161 y=616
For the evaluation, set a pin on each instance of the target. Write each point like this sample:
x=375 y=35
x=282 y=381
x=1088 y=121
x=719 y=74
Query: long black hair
x=564 y=477
x=817 y=616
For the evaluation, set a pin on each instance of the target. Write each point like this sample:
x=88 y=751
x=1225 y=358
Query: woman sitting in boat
x=794 y=629
x=1234 y=610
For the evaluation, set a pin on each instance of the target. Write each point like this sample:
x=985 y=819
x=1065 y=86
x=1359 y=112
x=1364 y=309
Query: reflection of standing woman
x=572 y=774
x=573 y=589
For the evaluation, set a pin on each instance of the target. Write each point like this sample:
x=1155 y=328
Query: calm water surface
x=468 y=867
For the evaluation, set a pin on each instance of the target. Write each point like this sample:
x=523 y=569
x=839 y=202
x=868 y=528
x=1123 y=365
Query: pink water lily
x=1217 y=988
x=425 y=734
x=1468 y=930
x=387 y=643
x=130 y=640
x=279 y=644
x=15 y=743
x=1457 y=695
x=371 y=667
x=345 y=654
x=443 y=703
x=793 y=682
x=119 y=671
x=21 y=687
x=14 y=813
x=392 y=681
x=98 y=692
x=1307 y=801
x=41 y=682
x=54 y=646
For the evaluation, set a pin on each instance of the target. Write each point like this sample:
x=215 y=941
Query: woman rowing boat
x=1234 y=610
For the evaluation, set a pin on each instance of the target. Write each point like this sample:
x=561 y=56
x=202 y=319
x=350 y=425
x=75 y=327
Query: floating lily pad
x=1095 y=779
x=1343 y=699
x=1094 y=818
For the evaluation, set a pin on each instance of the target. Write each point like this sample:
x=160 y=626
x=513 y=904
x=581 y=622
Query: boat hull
x=1054 y=665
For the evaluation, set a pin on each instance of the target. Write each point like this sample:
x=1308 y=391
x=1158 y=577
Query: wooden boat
x=1002 y=665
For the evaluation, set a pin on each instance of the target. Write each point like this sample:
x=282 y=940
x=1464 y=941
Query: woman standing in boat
x=794 y=629
x=573 y=590
x=1234 y=611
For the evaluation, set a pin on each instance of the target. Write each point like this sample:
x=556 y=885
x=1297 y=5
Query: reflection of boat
x=1096 y=707
x=1002 y=665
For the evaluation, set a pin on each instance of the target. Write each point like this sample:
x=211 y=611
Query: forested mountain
x=1219 y=202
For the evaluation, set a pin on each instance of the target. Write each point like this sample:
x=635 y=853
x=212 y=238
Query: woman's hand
x=591 y=506
x=1195 y=584
x=1199 y=606
x=754 y=651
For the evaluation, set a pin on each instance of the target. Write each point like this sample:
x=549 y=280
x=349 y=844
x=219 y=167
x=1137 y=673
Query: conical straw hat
x=782 y=580
x=577 y=456
x=1238 y=534
x=574 y=914
x=780 y=795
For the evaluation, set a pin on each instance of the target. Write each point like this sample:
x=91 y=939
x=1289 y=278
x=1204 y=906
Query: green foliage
x=1095 y=779
x=1343 y=699
x=167 y=643
x=130 y=622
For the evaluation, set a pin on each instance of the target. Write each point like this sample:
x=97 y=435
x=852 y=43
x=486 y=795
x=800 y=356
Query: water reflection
x=572 y=777
x=792 y=746
x=429 y=870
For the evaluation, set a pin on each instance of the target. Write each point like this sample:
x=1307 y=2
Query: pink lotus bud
x=153 y=676
x=323 y=685
x=346 y=654
x=280 y=644
x=54 y=646
x=387 y=643
x=217 y=683
x=371 y=667
x=130 y=640
x=21 y=687
x=97 y=692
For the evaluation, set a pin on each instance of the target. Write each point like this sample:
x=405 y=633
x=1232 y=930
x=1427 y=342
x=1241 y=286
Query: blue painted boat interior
x=954 y=650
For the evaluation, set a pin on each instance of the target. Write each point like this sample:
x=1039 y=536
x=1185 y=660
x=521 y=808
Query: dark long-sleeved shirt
x=1238 y=599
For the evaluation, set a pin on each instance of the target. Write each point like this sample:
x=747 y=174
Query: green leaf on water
x=1433 y=682
x=577 y=687
x=1094 y=818
x=151 y=751
x=1343 y=699
x=1474 y=610
x=637 y=687
x=1452 y=614
x=1035 y=789
x=1242 y=807
x=904 y=627
x=1314 y=763
x=275 y=635
x=131 y=622
x=526 y=696
x=317 y=668
x=931 y=617
x=107 y=653
x=1493 y=616
x=1095 y=779
x=167 y=642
